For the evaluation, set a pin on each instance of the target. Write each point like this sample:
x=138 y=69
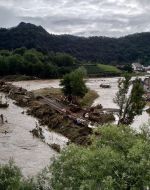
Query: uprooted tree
x=129 y=99
x=73 y=85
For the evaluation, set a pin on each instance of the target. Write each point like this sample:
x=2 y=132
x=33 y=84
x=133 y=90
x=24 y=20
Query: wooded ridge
x=96 y=49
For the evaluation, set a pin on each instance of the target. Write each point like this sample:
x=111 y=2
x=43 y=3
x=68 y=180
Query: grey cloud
x=79 y=17
x=7 y=17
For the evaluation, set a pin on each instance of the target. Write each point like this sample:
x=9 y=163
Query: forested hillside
x=34 y=63
x=30 y=62
x=96 y=49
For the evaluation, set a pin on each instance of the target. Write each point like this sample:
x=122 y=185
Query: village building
x=137 y=67
x=146 y=84
x=147 y=69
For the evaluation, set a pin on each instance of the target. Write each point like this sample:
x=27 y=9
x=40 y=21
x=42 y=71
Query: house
x=137 y=67
x=146 y=84
x=147 y=69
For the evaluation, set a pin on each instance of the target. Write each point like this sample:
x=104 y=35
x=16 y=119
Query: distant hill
x=97 y=49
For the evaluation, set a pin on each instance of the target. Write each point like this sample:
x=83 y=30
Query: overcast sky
x=79 y=17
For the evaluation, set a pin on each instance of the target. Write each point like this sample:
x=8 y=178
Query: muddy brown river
x=31 y=154
x=28 y=152
x=105 y=95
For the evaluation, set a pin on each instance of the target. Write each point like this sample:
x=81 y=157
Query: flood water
x=107 y=95
x=105 y=98
x=31 y=154
x=28 y=152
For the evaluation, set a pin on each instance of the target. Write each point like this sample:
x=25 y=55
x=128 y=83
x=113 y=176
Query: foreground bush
x=118 y=159
x=10 y=177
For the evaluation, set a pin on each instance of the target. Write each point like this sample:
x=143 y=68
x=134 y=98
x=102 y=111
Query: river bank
x=50 y=112
x=105 y=97
x=28 y=152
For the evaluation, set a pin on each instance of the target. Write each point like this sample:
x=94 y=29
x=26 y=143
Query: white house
x=137 y=67
x=147 y=69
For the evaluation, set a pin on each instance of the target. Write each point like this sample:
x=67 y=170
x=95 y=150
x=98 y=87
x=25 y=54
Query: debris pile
x=60 y=123
x=68 y=120
x=56 y=147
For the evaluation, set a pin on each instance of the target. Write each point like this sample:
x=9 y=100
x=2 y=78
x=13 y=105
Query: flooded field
x=28 y=152
x=105 y=95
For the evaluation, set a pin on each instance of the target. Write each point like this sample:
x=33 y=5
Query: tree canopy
x=34 y=63
x=100 y=49
x=31 y=62
x=119 y=158
x=129 y=99
x=74 y=85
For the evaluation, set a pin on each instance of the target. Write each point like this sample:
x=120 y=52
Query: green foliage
x=119 y=158
x=47 y=65
x=108 y=69
x=10 y=177
x=73 y=84
x=96 y=49
x=63 y=59
x=4 y=53
x=101 y=70
x=20 y=51
x=136 y=99
x=130 y=102
x=92 y=69
x=34 y=63
x=89 y=98
x=128 y=68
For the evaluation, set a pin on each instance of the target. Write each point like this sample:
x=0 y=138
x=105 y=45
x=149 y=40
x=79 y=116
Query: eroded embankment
x=47 y=116
x=58 y=117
